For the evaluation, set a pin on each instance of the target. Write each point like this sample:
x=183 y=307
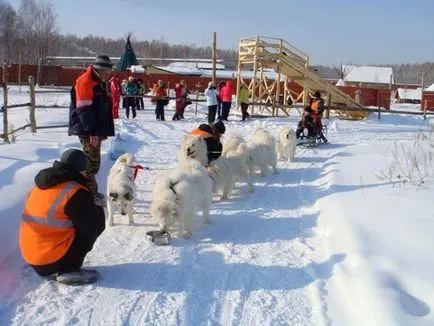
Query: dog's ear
x=128 y=196
x=113 y=195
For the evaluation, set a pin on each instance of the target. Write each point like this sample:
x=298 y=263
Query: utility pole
x=214 y=58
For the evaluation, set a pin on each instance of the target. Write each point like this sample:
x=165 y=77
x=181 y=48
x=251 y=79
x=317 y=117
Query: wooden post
x=278 y=73
x=378 y=102
x=38 y=77
x=5 y=105
x=422 y=82
x=32 y=104
x=255 y=71
x=197 y=98
x=424 y=109
x=329 y=104
x=19 y=73
x=214 y=58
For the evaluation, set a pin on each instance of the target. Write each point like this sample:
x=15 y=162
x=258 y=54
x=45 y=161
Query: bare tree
x=37 y=28
x=342 y=70
x=8 y=20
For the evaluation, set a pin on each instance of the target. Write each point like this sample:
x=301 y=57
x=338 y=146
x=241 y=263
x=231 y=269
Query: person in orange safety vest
x=211 y=133
x=61 y=222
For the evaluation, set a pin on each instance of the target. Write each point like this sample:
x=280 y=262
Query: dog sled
x=310 y=131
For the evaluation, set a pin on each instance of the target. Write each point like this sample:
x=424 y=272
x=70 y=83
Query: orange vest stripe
x=201 y=133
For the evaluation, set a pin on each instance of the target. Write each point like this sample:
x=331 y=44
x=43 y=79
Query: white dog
x=177 y=194
x=193 y=147
x=232 y=142
x=287 y=144
x=262 y=152
x=121 y=188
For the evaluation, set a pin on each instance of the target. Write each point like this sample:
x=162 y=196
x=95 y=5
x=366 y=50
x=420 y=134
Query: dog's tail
x=126 y=158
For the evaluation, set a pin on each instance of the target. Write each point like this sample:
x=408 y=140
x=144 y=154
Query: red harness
x=136 y=169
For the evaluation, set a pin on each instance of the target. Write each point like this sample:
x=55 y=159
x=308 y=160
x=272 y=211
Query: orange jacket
x=201 y=133
x=46 y=232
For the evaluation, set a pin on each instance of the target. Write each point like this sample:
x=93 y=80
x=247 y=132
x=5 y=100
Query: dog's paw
x=111 y=223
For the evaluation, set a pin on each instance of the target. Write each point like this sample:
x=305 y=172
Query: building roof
x=367 y=74
x=410 y=94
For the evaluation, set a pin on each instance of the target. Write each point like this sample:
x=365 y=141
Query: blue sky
x=330 y=31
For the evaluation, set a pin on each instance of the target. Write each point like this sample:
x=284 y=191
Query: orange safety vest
x=314 y=105
x=46 y=232
x=201 y=133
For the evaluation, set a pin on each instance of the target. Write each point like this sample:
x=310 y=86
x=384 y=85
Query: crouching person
x=211 y=133
x=61 y=221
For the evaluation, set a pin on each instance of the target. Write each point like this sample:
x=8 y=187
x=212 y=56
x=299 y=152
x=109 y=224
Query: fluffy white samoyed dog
x=262 y=152
x=176 y=196
x=286 y=144
x=193 y=147
x=121 y=188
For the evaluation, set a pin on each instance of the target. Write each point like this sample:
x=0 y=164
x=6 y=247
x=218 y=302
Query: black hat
x=103 y=61
x=75 y=158
x=317 y=94
x=220 y=127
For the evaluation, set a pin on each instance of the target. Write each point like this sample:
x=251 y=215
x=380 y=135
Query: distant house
x=369 y=76
x=409 y=95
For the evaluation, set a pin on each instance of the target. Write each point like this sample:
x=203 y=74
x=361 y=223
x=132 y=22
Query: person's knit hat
x=211 y=84
x=220 y=127
x=103 y=62
x=74 y=158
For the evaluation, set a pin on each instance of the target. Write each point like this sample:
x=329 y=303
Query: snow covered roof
x=367 y=74
x=341 y=82
x=430 y=89
x=410 y=94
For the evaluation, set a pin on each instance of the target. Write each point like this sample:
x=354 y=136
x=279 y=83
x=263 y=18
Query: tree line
x=30 y=33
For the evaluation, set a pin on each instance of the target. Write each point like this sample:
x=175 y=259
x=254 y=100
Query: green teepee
x=128 y=59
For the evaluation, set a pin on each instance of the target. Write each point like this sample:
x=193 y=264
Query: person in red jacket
x=115 y=91
x=226 y=98
x=179 y=102
x=219 y=99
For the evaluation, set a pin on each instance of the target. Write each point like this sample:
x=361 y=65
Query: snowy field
x=325 y=242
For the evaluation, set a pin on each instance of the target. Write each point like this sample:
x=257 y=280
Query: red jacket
x=227 y=92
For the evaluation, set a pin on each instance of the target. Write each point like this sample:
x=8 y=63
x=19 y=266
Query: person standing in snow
x=179 y=102
x=212 y=101
x=90 y=116
x=131 y=91
x=160 y=95
x=115 y=91
x=244 y=95
x=61 y=222
x=219 y=104
x=226 y=97
x=140 y=91
x=211 y=134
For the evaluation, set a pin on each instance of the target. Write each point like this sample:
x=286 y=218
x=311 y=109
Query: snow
x=367 y=74
x=325 y=242
x=410 y=94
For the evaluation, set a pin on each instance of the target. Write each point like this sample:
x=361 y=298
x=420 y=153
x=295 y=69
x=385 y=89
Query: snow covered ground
x=325 y=242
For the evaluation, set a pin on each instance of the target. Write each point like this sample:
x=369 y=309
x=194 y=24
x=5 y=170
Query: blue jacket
x=90 y=111
x=211 y=96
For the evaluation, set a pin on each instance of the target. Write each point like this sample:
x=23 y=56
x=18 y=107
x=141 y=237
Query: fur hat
x=220 y=127
x=103 y=62
x=74 y=158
